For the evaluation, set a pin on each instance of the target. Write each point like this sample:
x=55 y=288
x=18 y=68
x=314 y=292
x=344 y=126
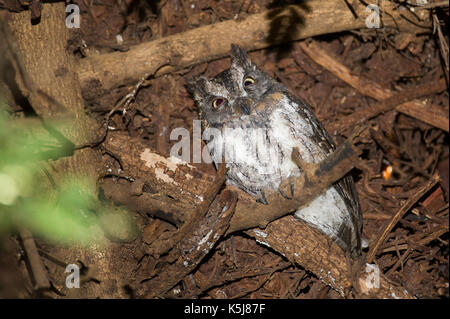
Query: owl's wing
x=345 y=186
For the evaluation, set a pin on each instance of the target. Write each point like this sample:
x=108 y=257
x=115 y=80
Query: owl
x=253 y=123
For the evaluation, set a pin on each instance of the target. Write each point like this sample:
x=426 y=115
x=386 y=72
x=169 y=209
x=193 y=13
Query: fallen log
x=105 y=71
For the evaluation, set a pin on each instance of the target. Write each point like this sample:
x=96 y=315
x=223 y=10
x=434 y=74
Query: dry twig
x=394 y=220
x=37 y=270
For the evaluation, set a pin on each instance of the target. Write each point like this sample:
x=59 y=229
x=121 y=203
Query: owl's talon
x=284 y=195
x=286 y=189
x=262 y=198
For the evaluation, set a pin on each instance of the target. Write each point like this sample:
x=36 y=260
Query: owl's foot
x=261 y=198
x=286 y=189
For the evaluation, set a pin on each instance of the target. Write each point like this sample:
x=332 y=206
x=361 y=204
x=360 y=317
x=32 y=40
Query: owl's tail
x=329 y=214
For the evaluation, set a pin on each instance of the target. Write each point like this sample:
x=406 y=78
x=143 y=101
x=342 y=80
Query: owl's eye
x=249 y=81
x=218 y=102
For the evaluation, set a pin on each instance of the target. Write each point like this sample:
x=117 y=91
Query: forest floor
x=404 y=152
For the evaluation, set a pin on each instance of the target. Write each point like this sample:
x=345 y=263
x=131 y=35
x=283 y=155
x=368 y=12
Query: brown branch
x=189 y=252
x=196 y=220
x=317 y=253
x=403 y=102
x=37 y=270
x=443 y=45
x=308 y=247
x=202 y=44
x=167 y=187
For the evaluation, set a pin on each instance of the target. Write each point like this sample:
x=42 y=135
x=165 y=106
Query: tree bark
x=46 y=75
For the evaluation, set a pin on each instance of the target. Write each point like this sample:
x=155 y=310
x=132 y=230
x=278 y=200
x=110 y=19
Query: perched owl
x=255 y=122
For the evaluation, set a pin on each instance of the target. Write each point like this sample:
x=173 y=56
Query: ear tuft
x=239 y=56
x=236 y=50
x=197 y=87
x=190 y=85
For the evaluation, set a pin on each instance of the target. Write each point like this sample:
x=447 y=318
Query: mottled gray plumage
x=245 y=98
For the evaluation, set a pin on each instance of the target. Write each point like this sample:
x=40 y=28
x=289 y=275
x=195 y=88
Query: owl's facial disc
x=234 y=93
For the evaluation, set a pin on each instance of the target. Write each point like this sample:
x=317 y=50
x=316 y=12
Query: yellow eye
x=249 y=81
x=218 y=102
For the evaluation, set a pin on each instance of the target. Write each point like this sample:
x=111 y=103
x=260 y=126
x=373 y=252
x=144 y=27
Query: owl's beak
x=243 y=105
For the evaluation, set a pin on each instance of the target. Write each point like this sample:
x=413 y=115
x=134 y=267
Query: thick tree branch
x=188 y=253
x=209 y=42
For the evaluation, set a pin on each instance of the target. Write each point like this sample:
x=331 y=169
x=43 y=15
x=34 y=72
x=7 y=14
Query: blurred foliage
x=63 y=214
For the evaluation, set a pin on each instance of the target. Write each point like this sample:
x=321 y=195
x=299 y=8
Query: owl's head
x=232 y=93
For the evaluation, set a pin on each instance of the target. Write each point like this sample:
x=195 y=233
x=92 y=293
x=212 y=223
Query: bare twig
x=127 y=99
x=443 y=45
x=38 y=273
x=394 y=220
